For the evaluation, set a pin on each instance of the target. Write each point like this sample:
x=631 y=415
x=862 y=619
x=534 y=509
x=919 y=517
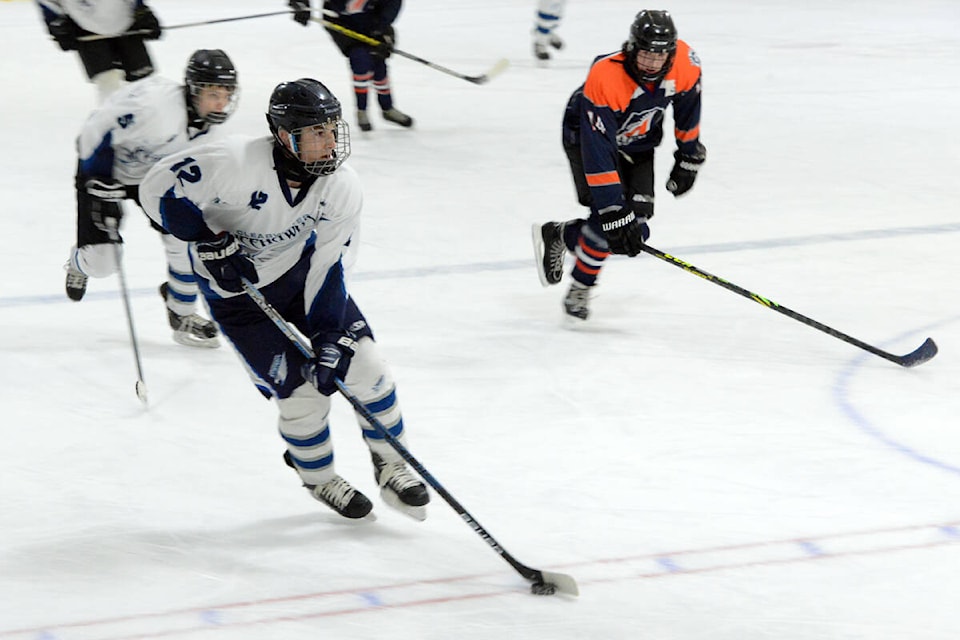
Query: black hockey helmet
x=212 y=68
x=652 y=31
x=305 y=103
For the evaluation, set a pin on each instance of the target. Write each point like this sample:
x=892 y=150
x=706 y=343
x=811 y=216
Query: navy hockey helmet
x=212 y=68
x=652 y=31
x=302 y=104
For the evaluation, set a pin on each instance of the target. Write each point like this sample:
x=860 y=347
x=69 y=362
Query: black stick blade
x=920 y=355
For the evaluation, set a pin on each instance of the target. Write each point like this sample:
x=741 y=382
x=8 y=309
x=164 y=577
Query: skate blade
x=190 y=340
x=392 y=500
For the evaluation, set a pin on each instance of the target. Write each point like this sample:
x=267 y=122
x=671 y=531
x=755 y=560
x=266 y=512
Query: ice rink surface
x=704 y=467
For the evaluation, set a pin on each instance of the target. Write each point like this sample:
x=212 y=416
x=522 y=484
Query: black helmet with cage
x=301 y=104
x=211 y=68
x=652 y=31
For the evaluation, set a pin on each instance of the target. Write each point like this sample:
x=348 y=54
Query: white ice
x=703 y=466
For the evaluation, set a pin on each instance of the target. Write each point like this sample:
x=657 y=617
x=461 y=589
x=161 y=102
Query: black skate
x=398 y=117
x=338 y=494
x=549 y=251
x=76 y=284
x=363 y=121
x=191 y=330
x=577 y=302
x=399 y=488
x=540 y=50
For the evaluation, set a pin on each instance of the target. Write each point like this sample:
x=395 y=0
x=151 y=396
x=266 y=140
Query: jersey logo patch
x=257 y=199
x=125 y=120
x=637 y=125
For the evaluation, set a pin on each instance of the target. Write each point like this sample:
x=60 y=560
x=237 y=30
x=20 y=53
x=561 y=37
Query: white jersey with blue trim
x=232 y=186
x=135 y=127
x=104 y=17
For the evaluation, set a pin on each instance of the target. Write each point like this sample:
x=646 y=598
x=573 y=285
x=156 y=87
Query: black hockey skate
x=398 y=117
x=549 y=251
x=399 y=488
x=76 y=284
x=191 y=330
x=338 y=494
x=363 y=121
x=540 y=50
x=577 y=301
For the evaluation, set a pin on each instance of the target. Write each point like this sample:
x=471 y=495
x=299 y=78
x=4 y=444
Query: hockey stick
x=916 y=357
x=143 y=32
x=483 y=78
x=141 y=386
x=543 y=582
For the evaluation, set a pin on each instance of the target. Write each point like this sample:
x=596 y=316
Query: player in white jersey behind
x=110 y=60
x=283 y=211
x=119 y=142
x=548 y=17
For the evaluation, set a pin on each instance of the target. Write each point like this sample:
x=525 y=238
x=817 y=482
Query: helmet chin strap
x=288 y=165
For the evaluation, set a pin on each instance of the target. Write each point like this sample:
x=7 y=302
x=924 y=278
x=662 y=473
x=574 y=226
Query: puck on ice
x=543 y=589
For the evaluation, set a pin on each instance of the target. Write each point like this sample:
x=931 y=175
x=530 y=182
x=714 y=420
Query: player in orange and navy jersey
x=611 y=126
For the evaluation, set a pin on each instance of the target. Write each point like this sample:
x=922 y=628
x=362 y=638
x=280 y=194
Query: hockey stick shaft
x=142 y=32
x=564 y=583
x=373 y=42
x=916 y=357
x=141 y=386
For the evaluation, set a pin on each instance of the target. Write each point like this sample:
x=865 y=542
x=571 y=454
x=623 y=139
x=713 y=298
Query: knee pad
x=368 y=375
x=107 y=82
x=305 y=403
x=97 y=260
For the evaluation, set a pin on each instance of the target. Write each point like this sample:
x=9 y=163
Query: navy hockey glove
x=64 y=31
x=106 y=194
x=227 y=263
x=145 y=20
x=301 y=11
x=333 y=353
x=387 y=38
x=685 y=167
x=623 y=230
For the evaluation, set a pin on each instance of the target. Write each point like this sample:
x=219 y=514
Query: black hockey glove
x=623 y=230
x=333 y=353
x=145 y=20
x=64 y=31
x=227 y=263
x=387 y=38
x=685 y=167
x=106 y=194
x=301 y=11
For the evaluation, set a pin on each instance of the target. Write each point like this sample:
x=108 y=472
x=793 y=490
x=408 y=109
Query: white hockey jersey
x=232 y=186
x=135 y=127
x=104 y=17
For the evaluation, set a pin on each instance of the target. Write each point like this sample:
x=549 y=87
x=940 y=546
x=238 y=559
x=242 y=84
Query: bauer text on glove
x=227 y=263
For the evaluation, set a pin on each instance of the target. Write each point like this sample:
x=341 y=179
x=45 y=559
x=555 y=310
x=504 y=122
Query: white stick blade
x=563 y=582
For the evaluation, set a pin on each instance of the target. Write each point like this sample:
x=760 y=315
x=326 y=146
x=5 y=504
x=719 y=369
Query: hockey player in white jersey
x=119 y=142
x=110 y=60
x=548 y=17
x=283 y=211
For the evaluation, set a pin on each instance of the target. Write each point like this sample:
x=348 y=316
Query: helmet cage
x=326 y=166
x=302 y=104
x=653 y=32
x=209 y=68
x=214 y=117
